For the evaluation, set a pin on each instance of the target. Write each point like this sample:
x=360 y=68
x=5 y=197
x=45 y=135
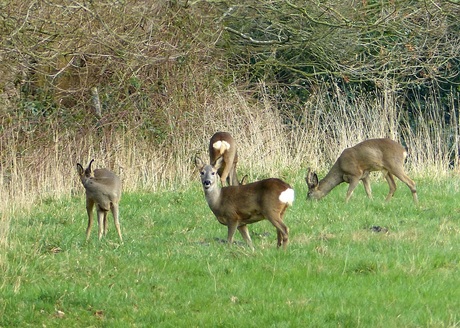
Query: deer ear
x=80 y=169
x=219 y=162
x=198 y=162
x=88 y=169
x=89 y=165
x=314 y=179
x=308 y=176
x=311 y=179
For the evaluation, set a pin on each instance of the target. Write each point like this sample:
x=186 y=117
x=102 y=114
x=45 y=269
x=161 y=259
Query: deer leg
x=391 y=184
x=353 y=182
x=282 y=235
x=367 y=186
x=100 y=220
x=106 y=225
x=229 y=170
x=408 y=181
x=231 y=231
x=245 y=234
x=225 y=174
x=282 y=230
x=89 y=210
x=116 y=219
x=232 y=179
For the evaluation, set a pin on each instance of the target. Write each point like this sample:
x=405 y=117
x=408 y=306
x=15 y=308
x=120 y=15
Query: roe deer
x=355 y=163
x=223 y=145
x=103 y=189
x=238 y=206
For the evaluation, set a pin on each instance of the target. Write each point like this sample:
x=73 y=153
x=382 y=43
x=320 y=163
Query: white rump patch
x=221 y=145
x=405 y=154
x=287 y=196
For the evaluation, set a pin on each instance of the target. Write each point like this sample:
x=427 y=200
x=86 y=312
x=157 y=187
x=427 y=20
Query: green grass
x=174 y=271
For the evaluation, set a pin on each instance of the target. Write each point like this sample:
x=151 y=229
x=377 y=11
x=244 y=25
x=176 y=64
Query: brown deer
x=355 y=163
x=103 y=189
x=223 y=145
x=238 y=206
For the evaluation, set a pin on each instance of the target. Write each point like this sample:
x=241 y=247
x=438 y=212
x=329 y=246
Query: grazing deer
x=103 y=189
x=357 y=162
x=223 y=145
x=238 y=206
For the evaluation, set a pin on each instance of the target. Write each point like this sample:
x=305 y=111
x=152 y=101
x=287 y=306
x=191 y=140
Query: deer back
x=372 y=155
x=222 y=144
x=247 y=201
x=101 y=185
x=254 y=198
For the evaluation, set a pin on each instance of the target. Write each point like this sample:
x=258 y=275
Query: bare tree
x=411 y=43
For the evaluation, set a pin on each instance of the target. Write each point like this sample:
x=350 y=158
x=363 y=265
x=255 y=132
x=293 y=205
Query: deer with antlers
x=103 y=189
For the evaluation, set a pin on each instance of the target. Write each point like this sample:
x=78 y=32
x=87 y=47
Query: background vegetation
x=142 y=85
x=294 y=81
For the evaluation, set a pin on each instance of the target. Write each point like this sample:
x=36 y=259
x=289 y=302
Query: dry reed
x=32 y=170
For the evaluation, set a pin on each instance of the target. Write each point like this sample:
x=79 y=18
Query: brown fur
x=238 y=206
x=227 y=171
x=355 y=164
x=103 y=189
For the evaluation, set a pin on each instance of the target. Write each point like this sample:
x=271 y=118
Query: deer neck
x=85 y=180
x=213 y=196
x=330 y=181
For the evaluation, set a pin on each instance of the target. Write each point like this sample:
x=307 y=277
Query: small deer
x=355 y=163
x=103 y=189
x=223 y=145
x=238 y=206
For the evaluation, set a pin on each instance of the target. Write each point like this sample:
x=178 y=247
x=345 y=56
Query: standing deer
x=223 y=145
x=238 y=206
x=357 y=162
x=103 y=189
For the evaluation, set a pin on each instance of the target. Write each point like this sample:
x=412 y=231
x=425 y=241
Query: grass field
x=363 y=264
